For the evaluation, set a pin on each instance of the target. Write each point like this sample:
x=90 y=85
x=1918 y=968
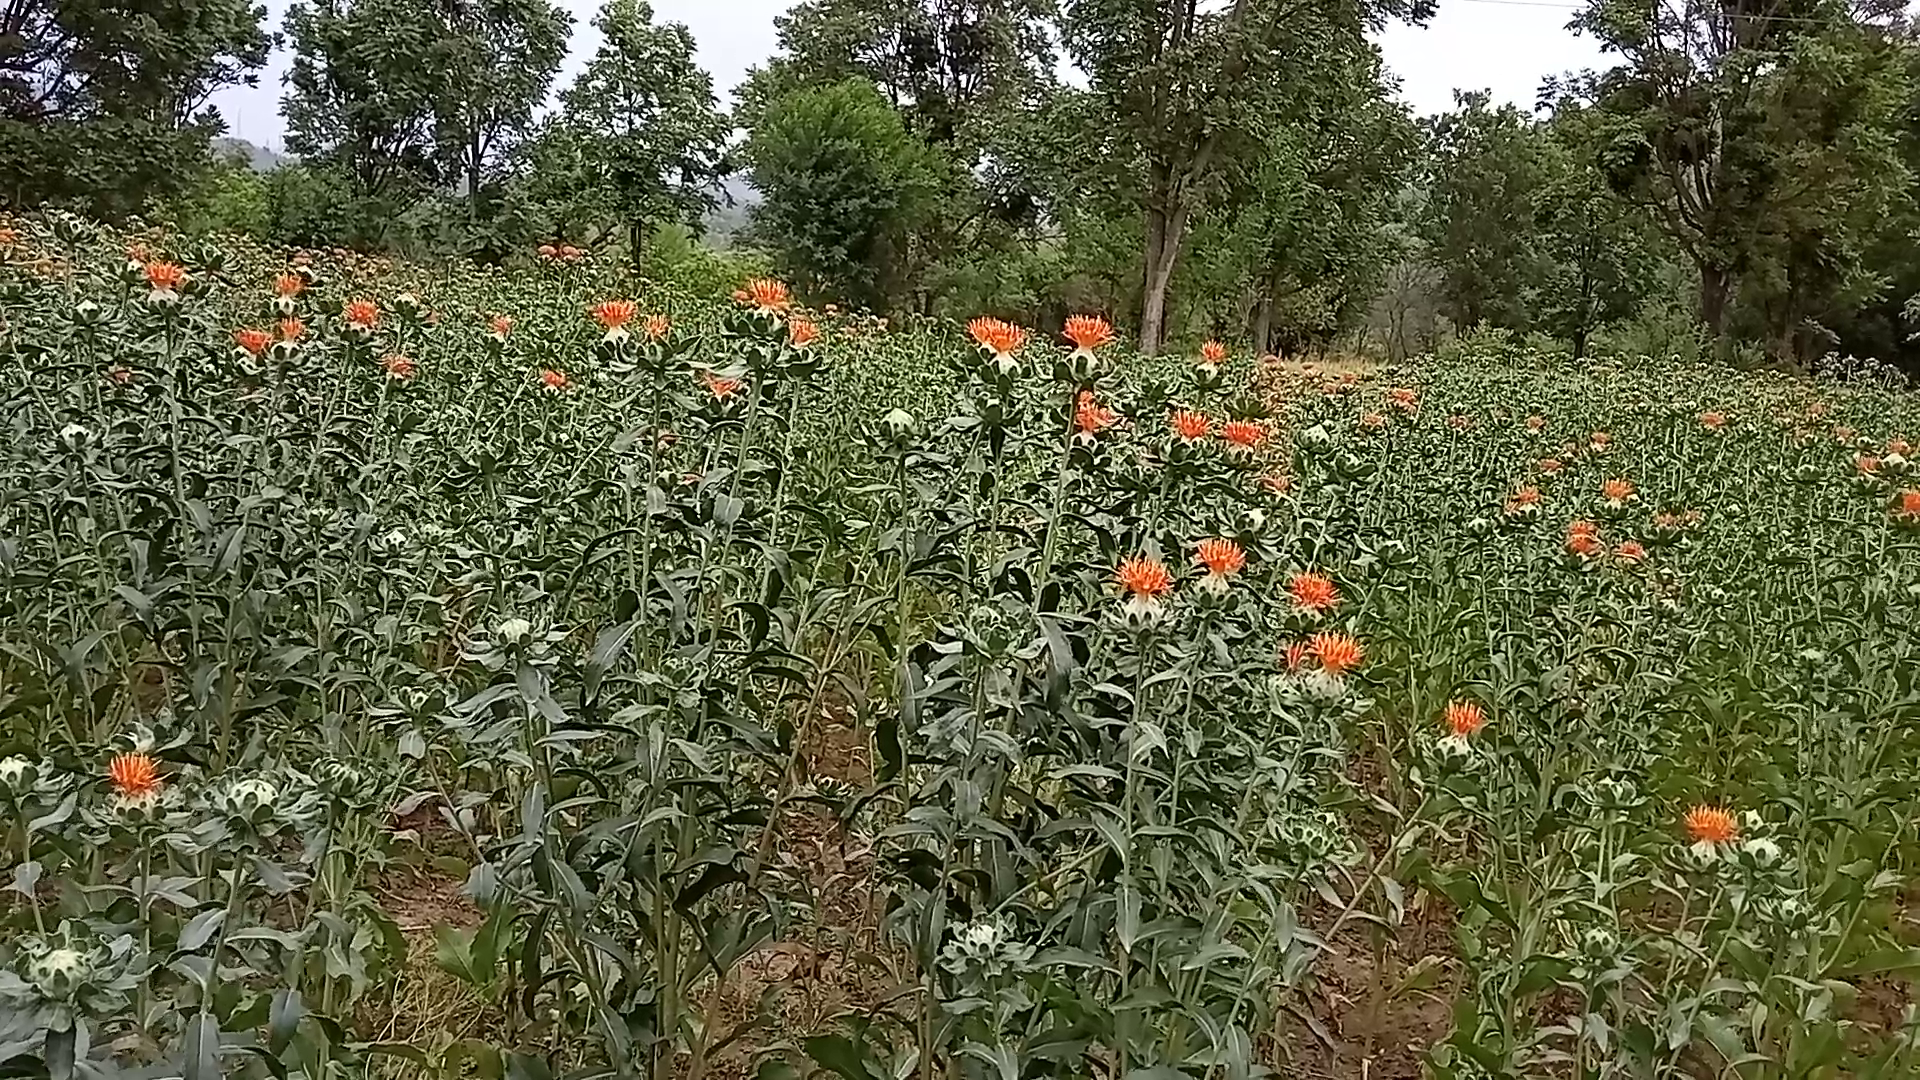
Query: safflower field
x=534 y=673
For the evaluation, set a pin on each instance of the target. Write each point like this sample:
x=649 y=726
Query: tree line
x=1740 y=179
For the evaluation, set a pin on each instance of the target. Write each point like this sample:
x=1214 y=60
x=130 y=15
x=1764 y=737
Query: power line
x=1582 y=7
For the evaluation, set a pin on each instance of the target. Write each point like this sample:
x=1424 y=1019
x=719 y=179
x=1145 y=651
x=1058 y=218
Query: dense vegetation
x=1741 y=180
x=542 y=672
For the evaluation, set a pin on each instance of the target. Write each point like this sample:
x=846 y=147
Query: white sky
x=1506 y=46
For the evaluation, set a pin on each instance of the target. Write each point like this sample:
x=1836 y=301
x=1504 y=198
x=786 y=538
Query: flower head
x=1212 y=353
x=1244 y=434
x=134 y=776
x=1710 y=827
x=1403 y=399
x=1583 y=538
x=767 y=296
x=1600 y=440
x=657 y=326
x=1908 y=508
x=720 y=387
x=1277 y=483
x=1143 y=578
x=165 y=277
x=1616 y=493
x=614 y=314
x=801 y=332
x=1314 y=592
x=554 y=380
x=1090 y=416
x=361 y=314
x=1190 y=426
x=288 y=285
x=1464 y=718
x=500 y=326
x=291 y=329
x=1551 y=465
x=252 y=341
x=1536 y=422
x=1713 y=421
x=1338 y=653
x=1088 y=332
x=1294 y=655
x=1372 y=421
x=399 y=367
x=1866 y=464
x=1000 y=338
x=1631 y=552
x=1222 y=558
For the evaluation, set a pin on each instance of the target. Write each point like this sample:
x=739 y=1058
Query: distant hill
x=738 y=198
x=259 y=157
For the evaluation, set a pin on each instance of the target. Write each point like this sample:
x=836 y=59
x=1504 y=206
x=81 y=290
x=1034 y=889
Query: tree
x=1728 y=118
x=1482 y=202
x=506 y=53
x=104 y=102
x=369 y=82
x=640 y=137
x=844 y=183
x=1190 y=90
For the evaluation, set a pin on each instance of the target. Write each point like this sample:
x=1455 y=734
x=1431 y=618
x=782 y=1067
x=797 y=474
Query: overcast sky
x=1506 y=46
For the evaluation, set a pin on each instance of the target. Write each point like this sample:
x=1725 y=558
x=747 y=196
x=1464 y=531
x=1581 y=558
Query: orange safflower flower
x=165 y=276
x=1295 y=655
x=554 y=380
x=1536 y=422
x=719 y=386
x=801 y=332
x=1616 y=491
x=1600 y=440
x=364 y=314
x=614 y=314
x=1898 y=445
x=1909 y=508
x=1867 y=464
x=768 y=296
x=500 y=326
x=1631 y=552
x=291 y=329
x=1842 y=433
x=1089 y=332
x=1713 y=421
x=1190 y=425
x=657 y=327
x=1338 y=653
x=1583 y=538
x=288 y=286
x=1402 y=398
x=1213 y=352
x=134 y=776
x=548 y=251
x=1711 y=825
x=1314 y=592
x=1091 y=417
x=400 y=367
x=1464 y=718
x=1220 y=557
x=1372 y=421
x=1002 y=338
x=1551 y=465
x=1143 y=577
x=1277 y=483
x=252 y=340
x=1246 y=434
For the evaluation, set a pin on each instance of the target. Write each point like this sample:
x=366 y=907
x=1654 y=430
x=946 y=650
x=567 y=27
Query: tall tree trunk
x=1263 y=324
x=1715 y=285
x=1166 y=226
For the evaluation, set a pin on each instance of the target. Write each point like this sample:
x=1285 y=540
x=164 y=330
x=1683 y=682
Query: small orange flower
x=1245 y=434
x=363 y=314
x=548 y=251
x=1909 y=508
x=1842 y=433
x=500 y=326
x=802 y=332
x=1373 y=421
x=252 y=340
x=614 y=314
x=1314 y=592
x=1277 y=483
x=1713 y=421
x=1583 y=538
x=1898 y=445
x=1213 y=352
x=1089 y=332
x=1460 y=421
x=1711 y=825
x=1631 y=552
x=657 y=327
x=1551 y=465
x=1295 y=655
x=768 y=296
x=1616 y=491
x=1338 y=653
x=1190 y=425
x=1867 y=464
x=165 y=276
x=554 y=380
x=1001 y=338
x=1143 y=577
x=1091 y=417
x=288 y=286
x=134 y=776
x=291 y=329
x=400 y=367
x=1464 y=718
x=1600 y=440
x=1536 y=422
x=1403 y=399
x=1220 y=557
x=720 y=387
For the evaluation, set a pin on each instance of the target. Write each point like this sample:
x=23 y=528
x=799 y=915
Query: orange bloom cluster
x=1337 y=653
x=165 y=276
x=801 y=332
x=1551 y=465
x=1089 y=332
x=1213 y=352
x=1631 y=552
x=1220 y=557
x=1713 y=421
x=1245 y=434
x=719 y=386
x=560 y=253
x=1372 y=421
x=500 y=326
x=1711 y=825
x=1403 y=399
x=1190 y=425
x=364 y=314
x=1464 y=718
x=252 y=341
x=288 y=286
x=134 y=776
x=1314 y=592
x=1908 y=509
x=1143 y=577
x=554 y=380
x=1866 y=464
x=1616 y=491
x=1091 y=417
x=1536 y=422
x=1583 y=539
x=1001 y=338
x=400 y=367
x=614 y=314
x=291 y=329
x=767 y=295
x=656 y=327
x=1520 y=502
